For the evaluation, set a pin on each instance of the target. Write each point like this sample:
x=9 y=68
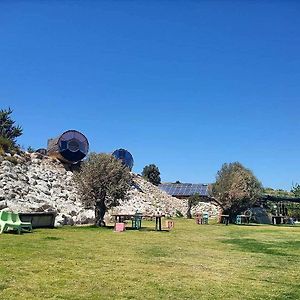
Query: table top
x=138 y=214
x=123 y=215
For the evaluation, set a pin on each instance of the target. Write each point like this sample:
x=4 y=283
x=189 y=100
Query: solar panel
x=184 y=189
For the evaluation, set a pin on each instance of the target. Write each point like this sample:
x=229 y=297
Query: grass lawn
x=190 y=262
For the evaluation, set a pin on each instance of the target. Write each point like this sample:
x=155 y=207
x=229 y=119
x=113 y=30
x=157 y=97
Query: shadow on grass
x=52 y=238
x=155 y=251
x=151 y=229
x=14 y=232
x=271 y=248
x=3 y=286
x=92 y=227
x=111 y=228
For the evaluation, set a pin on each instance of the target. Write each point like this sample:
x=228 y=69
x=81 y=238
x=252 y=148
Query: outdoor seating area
x=201 y=218
x=136 y=221
x=10 y=221
x=242 y=219
x=224 y=219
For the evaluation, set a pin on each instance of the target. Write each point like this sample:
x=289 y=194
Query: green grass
x=190 y=262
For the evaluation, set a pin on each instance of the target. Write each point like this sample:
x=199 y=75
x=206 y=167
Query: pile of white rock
x=37 y=183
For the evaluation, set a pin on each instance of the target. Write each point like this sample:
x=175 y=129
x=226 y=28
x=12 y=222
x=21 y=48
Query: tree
x=30 y=149
x=8 y=130
x=296 y=190
x=101 y=182
x=152 y=174
x=192 y=201
x=236 y=188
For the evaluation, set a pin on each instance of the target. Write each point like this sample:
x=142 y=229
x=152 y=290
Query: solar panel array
x=184 y=189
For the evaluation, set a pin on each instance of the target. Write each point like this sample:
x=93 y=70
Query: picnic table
x=120 y=218
x=224 y=219
x=277 y=220
x=242 y=219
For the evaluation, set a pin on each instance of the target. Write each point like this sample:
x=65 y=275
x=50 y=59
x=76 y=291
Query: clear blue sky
x=187 y=85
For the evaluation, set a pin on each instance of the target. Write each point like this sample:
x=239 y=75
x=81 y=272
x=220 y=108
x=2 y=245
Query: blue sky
x=187 y=85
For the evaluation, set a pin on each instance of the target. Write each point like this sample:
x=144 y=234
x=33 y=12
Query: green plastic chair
x=6 y=223
x=137 y=221
x=238 y=220
x=205 y=217
x=24 y=225
x=11 y=221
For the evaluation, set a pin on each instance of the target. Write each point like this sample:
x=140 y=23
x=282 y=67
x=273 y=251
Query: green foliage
x=30 y=149
x=8 y=131
x=236 y=188
x=102 y=181
x=192 y=201
x=296 y=190
x=152 y=174
x=277 y=193
x=12 y=159
x=6 y=145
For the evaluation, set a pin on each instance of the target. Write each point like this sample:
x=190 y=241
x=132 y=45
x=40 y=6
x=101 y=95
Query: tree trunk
x=100 y=210
x=188 y=213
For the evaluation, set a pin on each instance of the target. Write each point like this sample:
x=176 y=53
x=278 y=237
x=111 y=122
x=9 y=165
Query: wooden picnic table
x=119 y=218
x=224 y=219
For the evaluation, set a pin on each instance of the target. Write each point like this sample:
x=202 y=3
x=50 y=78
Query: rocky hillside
x=36 y=183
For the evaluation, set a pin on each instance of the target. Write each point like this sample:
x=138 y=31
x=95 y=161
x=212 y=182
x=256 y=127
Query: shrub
x=236 y=188
x=12 y=159
x=6 y=145
x=152 y=174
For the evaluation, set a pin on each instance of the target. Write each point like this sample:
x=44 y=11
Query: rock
x=46 y=208
x=36 y=161
x=6 y=169
x=39 y=183
x=3 y=204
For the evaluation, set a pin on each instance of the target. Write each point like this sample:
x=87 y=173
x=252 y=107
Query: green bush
x=179 y=214
x=12 y=160
x=6 y=145
x=152 y=174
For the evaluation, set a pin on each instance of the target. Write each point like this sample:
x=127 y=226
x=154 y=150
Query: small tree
x=30 y=149
x=101 y=181
x=296 y=190
x=192 y=201
x=152 y=174
x=8 y=130
x=236 y=188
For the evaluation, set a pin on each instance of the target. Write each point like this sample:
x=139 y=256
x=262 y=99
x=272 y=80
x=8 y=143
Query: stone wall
x=36 y=183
